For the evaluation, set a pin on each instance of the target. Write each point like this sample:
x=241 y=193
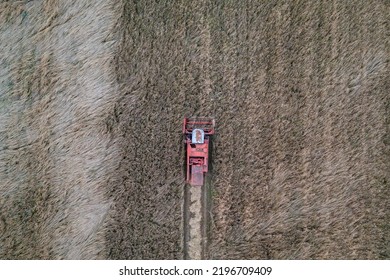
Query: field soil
x=93 y=94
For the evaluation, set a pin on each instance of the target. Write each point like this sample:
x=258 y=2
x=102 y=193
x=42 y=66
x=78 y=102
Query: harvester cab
x=197 y=133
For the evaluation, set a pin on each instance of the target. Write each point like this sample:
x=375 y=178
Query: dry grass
x=302 y=155
x=300 y=94
x=91 y=158
x=55 y=155
x=146 y=221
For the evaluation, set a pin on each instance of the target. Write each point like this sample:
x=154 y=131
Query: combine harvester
x=197 y=133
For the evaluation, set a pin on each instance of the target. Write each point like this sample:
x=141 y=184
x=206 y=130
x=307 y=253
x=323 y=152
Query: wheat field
x=93 y=93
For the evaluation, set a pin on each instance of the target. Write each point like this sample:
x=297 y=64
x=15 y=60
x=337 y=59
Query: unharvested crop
x=92 y=95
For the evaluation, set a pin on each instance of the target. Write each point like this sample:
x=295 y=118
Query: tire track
x=186 y=218
x=196 y=221
x=193 y=216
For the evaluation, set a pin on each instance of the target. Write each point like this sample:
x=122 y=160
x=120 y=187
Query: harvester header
x=197 y=134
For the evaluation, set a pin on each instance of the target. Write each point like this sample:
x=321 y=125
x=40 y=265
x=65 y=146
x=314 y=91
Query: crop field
x=92 y=98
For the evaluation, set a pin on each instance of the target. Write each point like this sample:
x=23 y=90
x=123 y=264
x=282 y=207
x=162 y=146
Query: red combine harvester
x=197 y=133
